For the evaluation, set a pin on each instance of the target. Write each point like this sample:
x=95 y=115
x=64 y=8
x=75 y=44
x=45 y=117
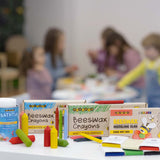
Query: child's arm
x=132 y=75
x=158 y=71
x=56 y=72
x=131 y=60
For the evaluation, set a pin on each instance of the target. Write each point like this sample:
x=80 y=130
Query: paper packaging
x=114 y=141
x=41 y=113
x=152 y=144
x=136 y=123
x=110 y=151
x=93 y=118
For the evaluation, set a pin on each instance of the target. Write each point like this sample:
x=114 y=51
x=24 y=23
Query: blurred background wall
x=83 y=20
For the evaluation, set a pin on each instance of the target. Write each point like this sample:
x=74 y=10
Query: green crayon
x=23 y=137
x=62 y=142
x=60 y=124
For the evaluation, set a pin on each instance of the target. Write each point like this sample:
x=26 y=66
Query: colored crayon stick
x=54 y=138
x=57 y=119
x=78 y=137
x=25 y=123
x=17 y=140
x=20 y=119
x=110 y=102
x=85 y=139
x=23 y=137
x=65 y=125
x=47 y=131
x=91 y=138
x=63 y=143
x=60 y=124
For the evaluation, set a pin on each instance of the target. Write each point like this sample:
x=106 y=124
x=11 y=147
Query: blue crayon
x=65 y=125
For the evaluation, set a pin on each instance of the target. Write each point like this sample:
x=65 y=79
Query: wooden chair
x=14 y=48
x=7 y=75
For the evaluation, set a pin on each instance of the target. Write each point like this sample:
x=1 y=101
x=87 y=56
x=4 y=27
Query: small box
x=41 y=113
x=93 y=119
x=136 y=123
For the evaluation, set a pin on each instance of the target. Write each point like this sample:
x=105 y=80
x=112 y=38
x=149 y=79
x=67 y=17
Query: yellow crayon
x=53 y=138
x=91 y=138
x=25 y=123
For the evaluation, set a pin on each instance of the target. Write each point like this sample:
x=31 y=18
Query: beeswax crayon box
x=93 y=119
x=136 y=123
x=41 y=113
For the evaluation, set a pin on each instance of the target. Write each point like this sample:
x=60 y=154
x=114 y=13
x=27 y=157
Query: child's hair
x=50 y=43
x=152 y=40
x=27 y=61
x=119 y=41
x=106 y=32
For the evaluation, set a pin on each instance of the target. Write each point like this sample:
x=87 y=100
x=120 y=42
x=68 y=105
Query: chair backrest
x=3 y=61
x=15 y=46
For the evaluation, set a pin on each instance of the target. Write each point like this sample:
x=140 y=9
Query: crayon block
x=23 y=137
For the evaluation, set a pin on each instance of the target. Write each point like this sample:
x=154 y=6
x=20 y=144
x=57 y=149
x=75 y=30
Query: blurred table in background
x=92 y=89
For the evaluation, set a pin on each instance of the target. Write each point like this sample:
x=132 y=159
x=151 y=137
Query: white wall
x=83 y=21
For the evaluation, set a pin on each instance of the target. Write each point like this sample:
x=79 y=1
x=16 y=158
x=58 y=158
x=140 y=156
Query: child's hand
x=110 y=72
x=92 y=54
x=118 y=88
x=71 y=69
x=75 y=67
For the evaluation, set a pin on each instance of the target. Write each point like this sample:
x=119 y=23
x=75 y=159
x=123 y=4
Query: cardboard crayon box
x=136 y=123
x=93 y=119
x=41 y=113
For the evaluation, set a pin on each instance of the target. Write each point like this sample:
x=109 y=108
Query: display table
x=75 y=150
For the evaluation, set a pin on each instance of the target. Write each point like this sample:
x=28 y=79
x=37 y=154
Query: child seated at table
x=98 y=57
x=124 y=59
x=54 y=46
x=38 y=79
x=150 y=66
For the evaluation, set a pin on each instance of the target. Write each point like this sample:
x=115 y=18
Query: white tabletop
x=93 y=90
x=75 y=150
x=106 y=94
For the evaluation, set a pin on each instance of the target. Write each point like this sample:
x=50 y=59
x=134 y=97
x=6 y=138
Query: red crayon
x=57 y=119
x=110 y=102
x=47 y=131
x=17 y=140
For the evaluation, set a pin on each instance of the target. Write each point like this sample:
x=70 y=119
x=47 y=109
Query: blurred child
x=54 y=46
x=99 y=57
x=125 y=58
x=150 y=66
x=39 y=81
